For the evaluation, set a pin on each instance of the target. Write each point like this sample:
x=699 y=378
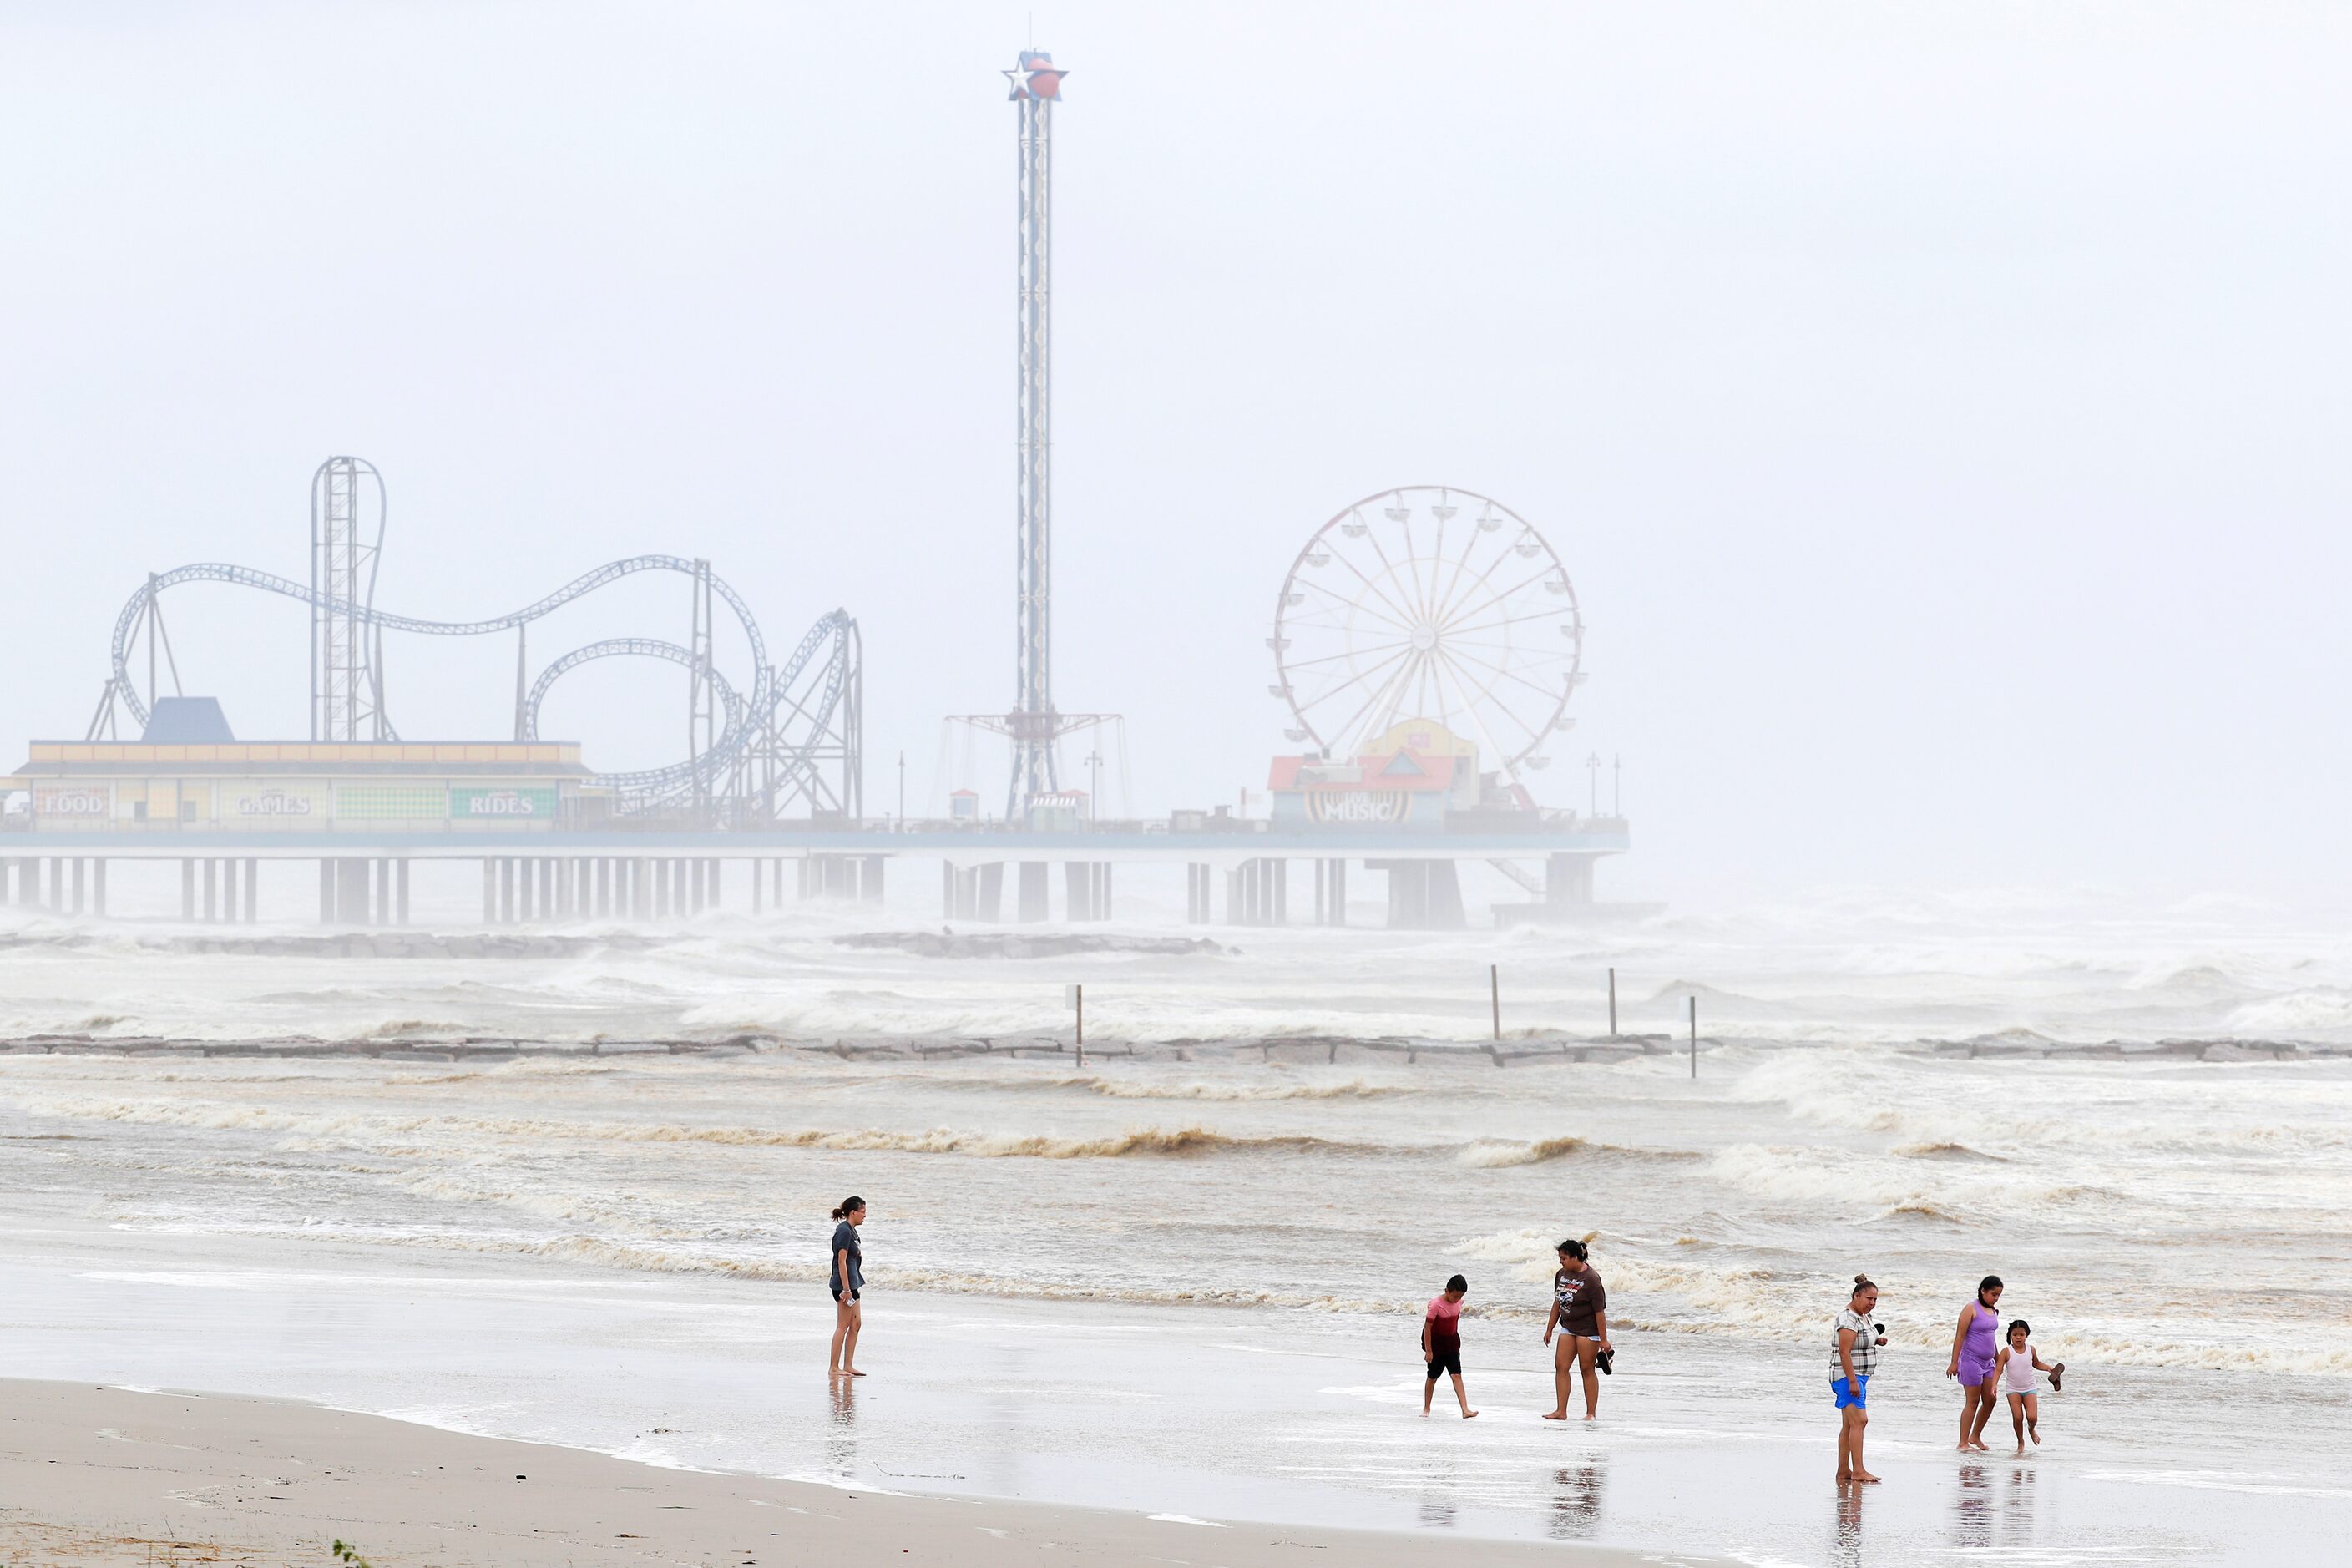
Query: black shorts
x=1448 y=1361
x=837 y=1293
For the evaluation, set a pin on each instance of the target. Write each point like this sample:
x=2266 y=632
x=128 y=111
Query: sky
x=1938 y=407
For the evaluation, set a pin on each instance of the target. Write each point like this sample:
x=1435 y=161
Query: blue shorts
x=1851 y=1398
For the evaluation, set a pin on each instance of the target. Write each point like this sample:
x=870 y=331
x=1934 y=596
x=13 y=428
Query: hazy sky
x=1938 y=407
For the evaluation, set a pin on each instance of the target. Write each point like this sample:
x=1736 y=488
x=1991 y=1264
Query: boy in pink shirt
x=1441 y=1343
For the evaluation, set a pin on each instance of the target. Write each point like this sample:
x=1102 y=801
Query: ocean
x=1187 y=1273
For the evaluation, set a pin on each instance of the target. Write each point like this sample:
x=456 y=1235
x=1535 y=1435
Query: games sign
x=262 y=801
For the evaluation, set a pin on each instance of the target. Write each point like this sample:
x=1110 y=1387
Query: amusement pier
x=1425 y=650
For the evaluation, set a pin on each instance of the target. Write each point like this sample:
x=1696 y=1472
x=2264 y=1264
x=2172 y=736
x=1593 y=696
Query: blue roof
x=186 y=720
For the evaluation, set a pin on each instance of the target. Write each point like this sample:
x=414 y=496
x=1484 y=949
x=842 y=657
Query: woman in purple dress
x=1976 y=1348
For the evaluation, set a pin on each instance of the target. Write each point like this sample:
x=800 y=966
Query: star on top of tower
x=1035 y=76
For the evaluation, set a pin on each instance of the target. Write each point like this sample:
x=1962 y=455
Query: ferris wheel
x=1430 y=602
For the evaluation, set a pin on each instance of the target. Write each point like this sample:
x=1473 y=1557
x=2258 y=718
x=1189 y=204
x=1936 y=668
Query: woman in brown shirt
x=1580 y=1315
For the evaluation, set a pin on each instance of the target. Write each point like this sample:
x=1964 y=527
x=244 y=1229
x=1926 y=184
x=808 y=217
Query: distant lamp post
x=1592 y=771
x=902 y=789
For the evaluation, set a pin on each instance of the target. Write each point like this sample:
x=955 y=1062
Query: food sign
x=78 y=801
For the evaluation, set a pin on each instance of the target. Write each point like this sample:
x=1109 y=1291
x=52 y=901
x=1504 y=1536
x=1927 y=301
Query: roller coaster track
x=728 y=740
x=746 y=719
x=797 y=763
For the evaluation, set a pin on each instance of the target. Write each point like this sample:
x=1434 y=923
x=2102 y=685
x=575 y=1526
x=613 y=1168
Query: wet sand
x=101 y=1476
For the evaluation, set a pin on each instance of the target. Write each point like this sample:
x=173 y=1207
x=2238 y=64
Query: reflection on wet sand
x=1576 y=1503
x=2017 y=1506
x=1994 y=1507
x=841 y=1432
x=1846 y=1531
x=1441 y=1478
x=1972 y=1509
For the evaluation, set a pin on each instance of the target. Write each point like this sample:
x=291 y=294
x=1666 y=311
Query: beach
x=107 y=1476
x=1186 y=1276
x=544 y=779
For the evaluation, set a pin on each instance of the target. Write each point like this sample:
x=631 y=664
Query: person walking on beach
x=1441 y=1343
x=1854 y=1352
x=2018 y=1363
x=1579 y=1313
x=1975 y=1343
x=847 y=1280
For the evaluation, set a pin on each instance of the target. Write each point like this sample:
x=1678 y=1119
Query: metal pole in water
x=1693 y=1027
x=1081 y=992
x=1613 y=1003
x=1494 y=996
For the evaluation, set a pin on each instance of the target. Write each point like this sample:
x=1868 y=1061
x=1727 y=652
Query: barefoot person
x=2018 y=1363
x=847 y=1278
x=1975 y=1344
x=1580 y=1312
x=1853 y=1351
x=1441 y=1343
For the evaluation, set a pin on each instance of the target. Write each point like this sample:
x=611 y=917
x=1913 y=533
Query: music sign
x=1358 y=807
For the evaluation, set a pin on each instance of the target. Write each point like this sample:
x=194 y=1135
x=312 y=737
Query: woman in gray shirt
x=847 y=1278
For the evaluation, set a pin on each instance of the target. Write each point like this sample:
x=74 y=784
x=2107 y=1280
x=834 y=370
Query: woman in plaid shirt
x=1854 y=1354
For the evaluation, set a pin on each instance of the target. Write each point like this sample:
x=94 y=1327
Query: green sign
x=501 y=802
x=374 y=802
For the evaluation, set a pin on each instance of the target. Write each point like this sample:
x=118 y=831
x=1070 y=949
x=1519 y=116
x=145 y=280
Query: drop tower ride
x=1032 y=724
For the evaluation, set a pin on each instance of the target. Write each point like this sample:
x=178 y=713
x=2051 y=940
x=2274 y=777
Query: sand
x=97 y=1475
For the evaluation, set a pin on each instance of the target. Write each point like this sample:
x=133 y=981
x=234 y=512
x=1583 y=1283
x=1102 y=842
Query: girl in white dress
x=2016 y=1366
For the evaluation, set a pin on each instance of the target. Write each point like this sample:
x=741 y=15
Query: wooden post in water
x=1494 y=996
x=1078 y=993
x=1694 y=1027
x=1613 y=1002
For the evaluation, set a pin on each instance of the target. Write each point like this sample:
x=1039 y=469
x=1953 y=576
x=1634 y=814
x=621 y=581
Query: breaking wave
x=606 y=1252
x=1125 y=1089
x=1680 y=1299
x=368 y=1131
x=1944 y=1150
x=1489 y=1155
